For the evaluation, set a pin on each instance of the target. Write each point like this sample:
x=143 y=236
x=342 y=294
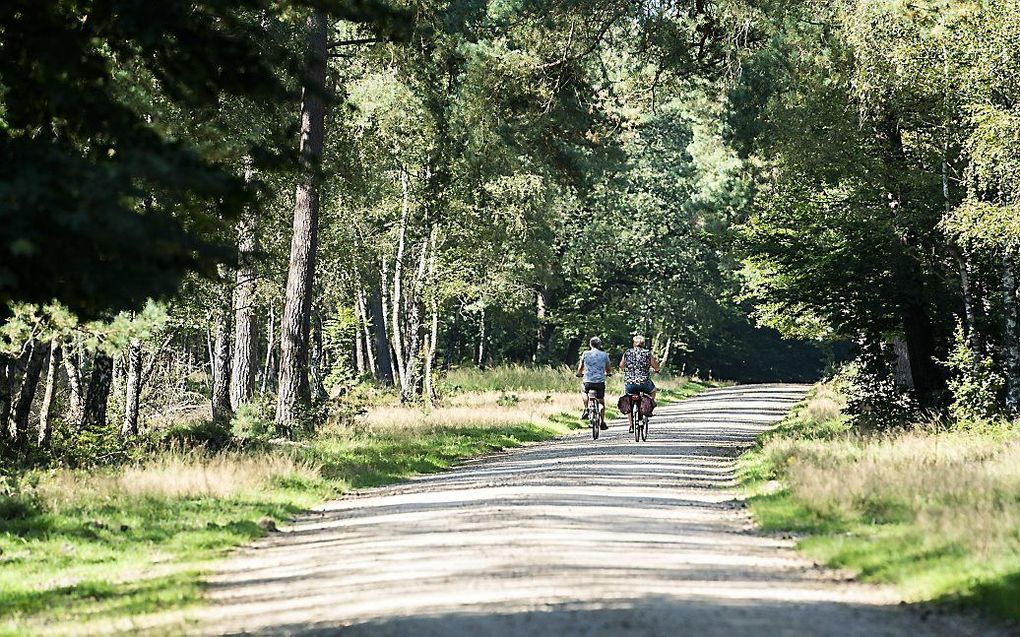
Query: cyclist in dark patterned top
x=637 y=363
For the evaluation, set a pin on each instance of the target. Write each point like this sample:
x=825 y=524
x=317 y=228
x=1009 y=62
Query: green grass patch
x=934 y=513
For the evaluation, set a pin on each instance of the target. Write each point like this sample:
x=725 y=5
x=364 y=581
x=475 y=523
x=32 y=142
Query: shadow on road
x=568 y=537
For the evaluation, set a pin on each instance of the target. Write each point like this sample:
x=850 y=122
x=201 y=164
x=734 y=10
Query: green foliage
x=253 y=421
x=199 y=432
x=874 y=399
x=337 y=332
x=75 y=446
x=976 y=383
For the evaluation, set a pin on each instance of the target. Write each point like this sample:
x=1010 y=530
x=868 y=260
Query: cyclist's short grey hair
x=595 y=342
x=639 y=339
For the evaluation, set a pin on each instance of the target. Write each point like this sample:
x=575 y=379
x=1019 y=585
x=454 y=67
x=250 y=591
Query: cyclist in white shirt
x=593 y=368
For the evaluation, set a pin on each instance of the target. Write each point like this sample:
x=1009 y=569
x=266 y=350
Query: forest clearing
x=258 y=255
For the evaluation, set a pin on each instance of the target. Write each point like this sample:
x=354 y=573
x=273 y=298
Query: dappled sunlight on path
x=568 y=537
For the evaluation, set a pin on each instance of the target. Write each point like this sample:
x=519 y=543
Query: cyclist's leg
x=629 y=389
x=600 y=395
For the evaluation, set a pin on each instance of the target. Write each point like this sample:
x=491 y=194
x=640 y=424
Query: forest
x=226 y=225
x=480 y=183
x=335 y=198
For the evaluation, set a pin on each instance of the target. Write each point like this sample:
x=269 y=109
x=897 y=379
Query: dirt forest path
x=568 y=537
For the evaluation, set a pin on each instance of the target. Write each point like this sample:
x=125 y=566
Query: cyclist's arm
x=655 y=364
x=580 y=368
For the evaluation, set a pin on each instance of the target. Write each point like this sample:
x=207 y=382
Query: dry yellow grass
x=486 y=409
x=824 y=404
x=935 y=512
x=173 y=475
x=957 y=486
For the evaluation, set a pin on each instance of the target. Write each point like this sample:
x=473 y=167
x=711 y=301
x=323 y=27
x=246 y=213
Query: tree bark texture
x=21 y=400
x=45 y=432
x=318 y=367
x=119 y=376
x=134 y=388
x=221 y=411
x=76 y=391
x=396 y=335
x=903 y=376
x=412 y=375
x=384 y=365
x=267 y=371
x=293 y=394
x=245 y=355
x=97 y=395
x=482 y=336
x=540 y=316
x=1011 y=345
x=6 y=390
x=368 y=356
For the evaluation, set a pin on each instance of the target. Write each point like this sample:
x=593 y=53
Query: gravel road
x=567 y=537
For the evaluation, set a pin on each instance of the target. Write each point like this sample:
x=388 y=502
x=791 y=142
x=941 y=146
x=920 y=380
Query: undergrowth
x=932 y=509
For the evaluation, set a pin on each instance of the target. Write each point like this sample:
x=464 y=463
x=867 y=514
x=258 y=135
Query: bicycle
x=638 y=417
x=594 y=414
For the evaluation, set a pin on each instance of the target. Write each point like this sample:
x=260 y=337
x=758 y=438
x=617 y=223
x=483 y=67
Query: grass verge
x=115 y=549
x=935 y=513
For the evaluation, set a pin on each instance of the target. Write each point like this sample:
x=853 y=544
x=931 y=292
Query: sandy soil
x=569 y=537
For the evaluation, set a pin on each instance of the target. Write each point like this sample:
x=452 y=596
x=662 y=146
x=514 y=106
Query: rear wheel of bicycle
x=638 y=426
x=594 y=415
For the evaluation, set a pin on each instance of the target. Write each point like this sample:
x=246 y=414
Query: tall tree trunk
x=267 y=371
x=920 y=340
x=221 y=412
x=384 y=290
x=398 y=264
x=433 y=296
x=481 y=341
x=119 y=376
x=359 y=352
x=901 y=372
x=969 y=311
x=384 y=365
x=97 y=395
x=365 y=336
x=6 y=390
x=540 y=312
x=45 y=432
x=134 y=388
x=1011 y=345
x=452 y=341
x=317 y=368
x=21 y=404
x=412 y=375
x=245 y=363
x=295 y=324
x=76 y=391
